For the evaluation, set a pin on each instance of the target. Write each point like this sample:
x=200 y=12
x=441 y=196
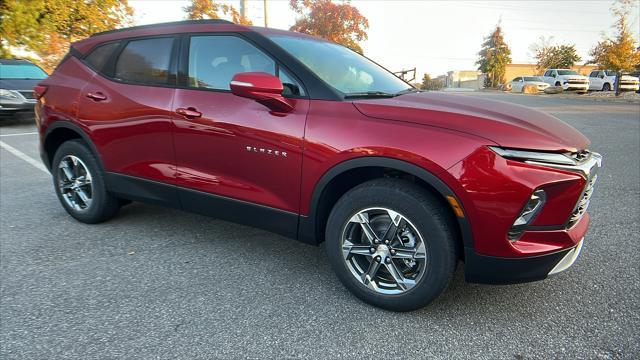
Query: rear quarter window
x=99 y=56
x=145 y=61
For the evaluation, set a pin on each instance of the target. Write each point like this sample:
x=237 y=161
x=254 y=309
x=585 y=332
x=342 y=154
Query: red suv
x=313 y=141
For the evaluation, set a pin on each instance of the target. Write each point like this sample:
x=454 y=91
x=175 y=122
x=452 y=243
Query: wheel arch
x=60 y=132
x=345 y=175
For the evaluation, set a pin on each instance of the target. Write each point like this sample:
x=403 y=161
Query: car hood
x=18 y=84
x=502 y=123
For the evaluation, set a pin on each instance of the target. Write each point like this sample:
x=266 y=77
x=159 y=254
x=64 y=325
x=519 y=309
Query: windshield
x=567 y=72
x=531 y=78
x=341 y=68
x=21 y=71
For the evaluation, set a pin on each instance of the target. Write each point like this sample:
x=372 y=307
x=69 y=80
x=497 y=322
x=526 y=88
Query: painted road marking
x=20 y=134
x=36 y=164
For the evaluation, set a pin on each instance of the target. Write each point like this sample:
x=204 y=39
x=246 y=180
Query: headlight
x=540 y=157
x=9 y=94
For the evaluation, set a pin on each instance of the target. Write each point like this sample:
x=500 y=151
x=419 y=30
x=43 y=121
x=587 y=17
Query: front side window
x=21 y=71
x=339 y=67
x=214 y=60
x=145 y=61
x=99 y=56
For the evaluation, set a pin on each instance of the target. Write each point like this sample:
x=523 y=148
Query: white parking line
x=36 y=164
x=20 y=134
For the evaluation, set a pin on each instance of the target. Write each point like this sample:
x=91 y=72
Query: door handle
x=189 y=113
x=97 y=96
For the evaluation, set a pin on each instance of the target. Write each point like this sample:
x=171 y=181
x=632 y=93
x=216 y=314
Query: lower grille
x=583 y=203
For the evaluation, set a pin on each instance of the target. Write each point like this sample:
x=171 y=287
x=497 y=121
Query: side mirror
x=553 y=75
x=263 y=88
x=601 y=76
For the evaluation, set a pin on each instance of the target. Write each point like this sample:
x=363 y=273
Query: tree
x=621 y=52
x=47 y=27
x=559 y=56
x=494 y=57
x=431 y=84
x=340 y=23
x=210 y=9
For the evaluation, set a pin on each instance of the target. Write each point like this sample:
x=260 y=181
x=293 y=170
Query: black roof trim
x=151 y=26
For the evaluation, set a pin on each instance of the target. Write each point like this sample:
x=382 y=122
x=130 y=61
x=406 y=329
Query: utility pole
x=266 y=14
x=243 y=9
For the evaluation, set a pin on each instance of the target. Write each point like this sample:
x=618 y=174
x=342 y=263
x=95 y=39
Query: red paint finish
x=234 y=146
x=239 y=149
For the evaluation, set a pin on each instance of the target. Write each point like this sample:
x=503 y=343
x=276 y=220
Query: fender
x=66 y=124
x=307 y=229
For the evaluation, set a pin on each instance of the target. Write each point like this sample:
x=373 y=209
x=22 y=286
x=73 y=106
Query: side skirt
x=242 y=212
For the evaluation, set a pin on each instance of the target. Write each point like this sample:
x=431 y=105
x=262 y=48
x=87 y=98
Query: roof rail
x=151 y=26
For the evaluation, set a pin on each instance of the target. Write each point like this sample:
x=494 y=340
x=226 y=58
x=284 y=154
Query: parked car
x=308 y=139
x=568 y=79
x=636 y=74
x=605 y=80
x=17 y=79
x=517 y=84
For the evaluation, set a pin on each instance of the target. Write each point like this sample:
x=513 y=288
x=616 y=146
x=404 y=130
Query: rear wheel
x=606 y=87
x=391 y=244
x=79 y=184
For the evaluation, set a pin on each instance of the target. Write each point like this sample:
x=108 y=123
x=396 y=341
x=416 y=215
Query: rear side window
x=99 y=56
x=145 y=61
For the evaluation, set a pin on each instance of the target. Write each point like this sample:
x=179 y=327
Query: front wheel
x=80 y=185
x=391 y=244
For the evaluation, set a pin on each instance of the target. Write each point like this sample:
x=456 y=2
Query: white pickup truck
x=605 y=80
x=568 y=79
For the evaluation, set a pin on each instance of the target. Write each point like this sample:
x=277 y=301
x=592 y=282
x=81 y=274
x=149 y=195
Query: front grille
x=577 y=81
x=28 y=94
x=583 y=202
x=580 y=156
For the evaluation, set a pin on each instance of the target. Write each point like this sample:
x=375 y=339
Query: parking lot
x=161 y=283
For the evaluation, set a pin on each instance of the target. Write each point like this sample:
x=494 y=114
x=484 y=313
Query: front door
x=233 y=148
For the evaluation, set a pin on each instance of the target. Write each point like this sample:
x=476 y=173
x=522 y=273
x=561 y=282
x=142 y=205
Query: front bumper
x=497 y=270
x=568 y=86
x=11 y=107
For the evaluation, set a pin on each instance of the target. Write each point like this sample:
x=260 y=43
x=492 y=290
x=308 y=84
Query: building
x=470 y=79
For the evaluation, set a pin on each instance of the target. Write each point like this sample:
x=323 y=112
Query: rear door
x=595 y=82
x=127 y=107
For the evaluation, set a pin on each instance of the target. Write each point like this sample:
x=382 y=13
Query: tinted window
x=567 y=72
x=21 y=71
x=99 y=56
x=593 y=74
x=291 y=86
x=214 y=60
x=547 y=73
x=516 y=79
x=341 y=68
x=531 y=78
x=145 y=61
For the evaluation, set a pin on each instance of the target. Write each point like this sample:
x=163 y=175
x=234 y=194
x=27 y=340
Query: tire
x=426 y=221
x=558 y=83
x=606 y=87
x=79 y=183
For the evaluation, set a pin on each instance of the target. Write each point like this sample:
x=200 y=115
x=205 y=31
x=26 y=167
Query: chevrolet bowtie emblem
x=266 y=151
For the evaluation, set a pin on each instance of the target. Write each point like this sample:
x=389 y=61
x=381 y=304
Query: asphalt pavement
x=161 y=283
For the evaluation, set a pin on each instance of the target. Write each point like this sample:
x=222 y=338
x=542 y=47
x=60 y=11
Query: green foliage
x=559 y=56
x=494 y=57
x=621 y=52
x=47 y=27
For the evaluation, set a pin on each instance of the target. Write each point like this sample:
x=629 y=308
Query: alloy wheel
x=384 y=251
x=75 y=183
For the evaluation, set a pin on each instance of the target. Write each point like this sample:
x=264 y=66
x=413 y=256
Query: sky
x=440 y=36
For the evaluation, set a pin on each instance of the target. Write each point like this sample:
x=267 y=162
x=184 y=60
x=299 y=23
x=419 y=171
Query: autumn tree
x=211 y=9
x=340 y=22
x=494 y=57
x=47 y=27
x=431 y=84
x=558 y=56
x=621 y=52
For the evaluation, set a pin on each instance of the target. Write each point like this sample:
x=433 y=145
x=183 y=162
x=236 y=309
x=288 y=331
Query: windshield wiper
x=407 y=91
x=369 y=94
